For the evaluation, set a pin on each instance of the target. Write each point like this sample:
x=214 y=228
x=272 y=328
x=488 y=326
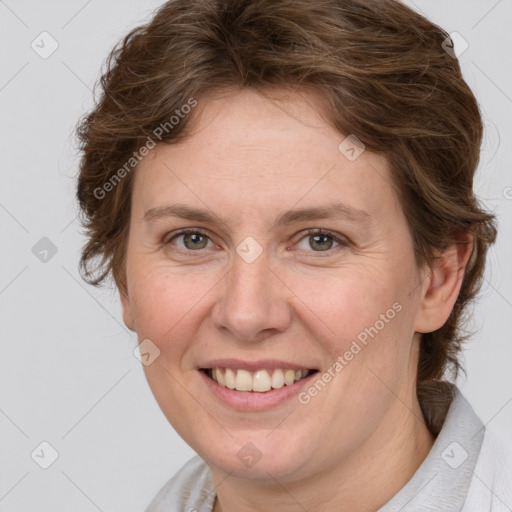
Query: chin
x=258 y=457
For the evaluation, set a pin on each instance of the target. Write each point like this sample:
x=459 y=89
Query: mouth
x=259 y=381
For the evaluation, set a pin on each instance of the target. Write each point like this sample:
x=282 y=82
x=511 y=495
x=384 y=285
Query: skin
x=249 y=159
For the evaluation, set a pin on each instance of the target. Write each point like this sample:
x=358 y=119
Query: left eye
x=193 y=240
x=321 y=240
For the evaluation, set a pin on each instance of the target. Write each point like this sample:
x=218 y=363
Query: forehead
x=251 y=152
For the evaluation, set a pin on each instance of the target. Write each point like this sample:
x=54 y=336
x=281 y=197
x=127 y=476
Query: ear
x=442 y=285
x=127 y=309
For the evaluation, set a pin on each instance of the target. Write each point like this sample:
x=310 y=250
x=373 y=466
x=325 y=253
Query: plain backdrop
x=68 y=376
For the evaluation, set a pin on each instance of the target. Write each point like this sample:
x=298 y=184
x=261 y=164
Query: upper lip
x=261 y=364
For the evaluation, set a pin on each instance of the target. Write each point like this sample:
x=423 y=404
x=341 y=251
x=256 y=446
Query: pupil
x=316 y=237
x=195 y=239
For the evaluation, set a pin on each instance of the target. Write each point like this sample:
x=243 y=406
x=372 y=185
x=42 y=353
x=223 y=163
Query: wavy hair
x=387 y=78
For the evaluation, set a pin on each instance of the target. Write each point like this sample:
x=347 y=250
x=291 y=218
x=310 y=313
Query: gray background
x=68 y=375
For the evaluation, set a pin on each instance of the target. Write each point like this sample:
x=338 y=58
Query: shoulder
x=491 y=484
x=190 y=489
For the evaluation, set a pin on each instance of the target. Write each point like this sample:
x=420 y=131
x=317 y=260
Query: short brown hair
x=387 y=78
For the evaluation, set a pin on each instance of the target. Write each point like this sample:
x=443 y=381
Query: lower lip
x=254 y=400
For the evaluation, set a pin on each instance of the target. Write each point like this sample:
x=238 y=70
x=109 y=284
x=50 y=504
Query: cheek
x=345 y=302
x=168 y=305
x=363 y=315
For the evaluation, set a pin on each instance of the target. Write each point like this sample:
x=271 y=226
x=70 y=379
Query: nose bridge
x=250 y=274
x=251 y=299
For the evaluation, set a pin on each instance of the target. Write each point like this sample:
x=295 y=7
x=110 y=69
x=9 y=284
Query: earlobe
x=127 y=310
x=442 y=285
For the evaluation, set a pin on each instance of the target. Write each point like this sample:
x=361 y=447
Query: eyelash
x=309 y=232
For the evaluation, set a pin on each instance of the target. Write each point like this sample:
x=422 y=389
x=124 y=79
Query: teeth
x=277 y=379
x=229 y=378
x=218 y=376
x=289 y=377
x=243 y=381
x=259 y=381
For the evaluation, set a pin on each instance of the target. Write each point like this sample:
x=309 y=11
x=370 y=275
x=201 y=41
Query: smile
x=259 y=381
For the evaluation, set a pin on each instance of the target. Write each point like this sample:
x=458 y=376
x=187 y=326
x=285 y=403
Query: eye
x=193 y=239
x=321 y=241
x=317 y=239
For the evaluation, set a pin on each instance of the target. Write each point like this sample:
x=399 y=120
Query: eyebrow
x=337 y=210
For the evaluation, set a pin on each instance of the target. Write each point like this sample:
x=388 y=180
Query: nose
x=252 y=303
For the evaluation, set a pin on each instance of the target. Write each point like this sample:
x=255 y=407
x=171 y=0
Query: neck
x=365 y=482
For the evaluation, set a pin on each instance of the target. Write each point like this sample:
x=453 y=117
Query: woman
x=282 y=191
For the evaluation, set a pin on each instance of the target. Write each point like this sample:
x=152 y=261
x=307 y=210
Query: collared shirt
x=466 y=470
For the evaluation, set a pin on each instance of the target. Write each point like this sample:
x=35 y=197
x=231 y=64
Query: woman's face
x=256 y=292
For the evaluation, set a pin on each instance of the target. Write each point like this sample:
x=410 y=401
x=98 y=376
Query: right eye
x=193 y=239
